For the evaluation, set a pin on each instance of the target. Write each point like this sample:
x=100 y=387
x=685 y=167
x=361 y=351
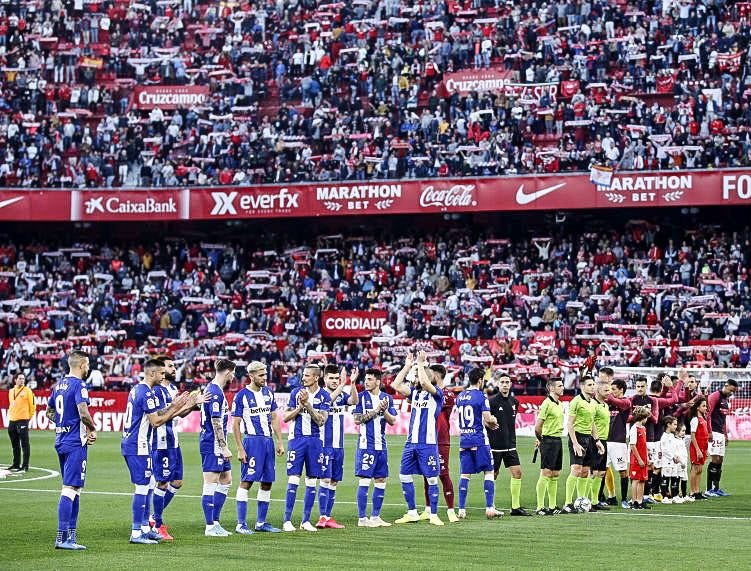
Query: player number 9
x=60 y=408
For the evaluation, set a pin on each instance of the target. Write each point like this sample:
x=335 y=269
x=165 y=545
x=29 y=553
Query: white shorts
x=683 y=473
x=653 y=453
x=618 y=456
x=670 y=469
x=717 y=444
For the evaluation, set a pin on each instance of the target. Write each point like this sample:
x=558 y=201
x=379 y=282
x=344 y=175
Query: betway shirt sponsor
x=302 y=425
x=332 y=435
x=255 y=408
x=423 y=420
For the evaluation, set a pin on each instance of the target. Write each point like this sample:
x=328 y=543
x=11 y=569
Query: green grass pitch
x=713 y=533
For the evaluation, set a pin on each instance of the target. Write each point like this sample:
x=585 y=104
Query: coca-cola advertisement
x=351 y=324
x=169 y=97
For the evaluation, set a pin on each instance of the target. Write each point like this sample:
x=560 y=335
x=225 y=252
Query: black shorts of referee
x=506 y=458
x=585 y=441
x=551 y=453
x=599 y=461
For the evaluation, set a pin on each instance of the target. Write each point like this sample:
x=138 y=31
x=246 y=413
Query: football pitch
x=713 y=533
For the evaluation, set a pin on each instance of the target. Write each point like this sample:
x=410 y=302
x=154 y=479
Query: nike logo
x=524 y=198
x=10 y=201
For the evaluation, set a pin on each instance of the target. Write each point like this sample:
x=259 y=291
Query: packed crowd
x=635 y=295
x=309 y=91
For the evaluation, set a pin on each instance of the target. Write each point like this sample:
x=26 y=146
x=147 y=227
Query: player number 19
x=466 y=417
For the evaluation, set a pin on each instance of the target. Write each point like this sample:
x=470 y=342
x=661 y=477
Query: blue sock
x=64 y=510
x=242 y=513
x=289 y=505
x=139 y=507
x=378 y=495
x=171 y=491
x=147 y=508
x=362 y=500
x=219 y=498
x=310 y=499
x=433 y=492
x=463 y=491
x=323 y=500
x=73 y=523
x=408 y=488
x=207 y=502
x=332 y=497
x=262 y=500
x=158 y=500
x=489 y=493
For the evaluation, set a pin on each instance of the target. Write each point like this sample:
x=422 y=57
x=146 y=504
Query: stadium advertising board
x=479 y=80
x=350 y=324
x=168 y=97
x=543 y=192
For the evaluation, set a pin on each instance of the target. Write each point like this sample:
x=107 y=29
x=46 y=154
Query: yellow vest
x=21 y=403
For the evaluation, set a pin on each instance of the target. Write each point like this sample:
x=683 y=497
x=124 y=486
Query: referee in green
x=549 y=429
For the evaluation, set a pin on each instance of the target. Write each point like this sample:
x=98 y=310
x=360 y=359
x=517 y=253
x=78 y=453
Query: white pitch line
x=347 y=503
x=47 y=476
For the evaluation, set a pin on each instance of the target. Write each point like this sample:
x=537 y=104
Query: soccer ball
x=582 y=504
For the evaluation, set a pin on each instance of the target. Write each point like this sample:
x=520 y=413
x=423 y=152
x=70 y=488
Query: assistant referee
x=22 y=408
x=549 y=429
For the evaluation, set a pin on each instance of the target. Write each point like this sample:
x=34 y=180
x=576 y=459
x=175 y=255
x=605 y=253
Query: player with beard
x=599 y=463
x=655 y=404
x=167 y=457
x=504 y=406
x=719 y=406
x=444 y=447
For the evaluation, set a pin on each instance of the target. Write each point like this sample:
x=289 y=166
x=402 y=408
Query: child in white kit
x=682 y=453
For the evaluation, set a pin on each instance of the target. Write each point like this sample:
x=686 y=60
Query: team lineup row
x=315 y=447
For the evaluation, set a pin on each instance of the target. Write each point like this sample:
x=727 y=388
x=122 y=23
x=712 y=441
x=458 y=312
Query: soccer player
x=306 y=414
x=68 y=408
x=142 y=415
x=699 y=445
x=548 y=430
x=654 y=404
x=719 y=406
x=332 y=438
x=374 y=409
x=656 y=389
x=215 y=453
x=639 y=469
x=444 y=447
x=167 y=457
x=620 y=410
x=504 y=406
x=581 y=431
x=474 y=447
x=254 y=414
x=420 y=454
x=599 y=463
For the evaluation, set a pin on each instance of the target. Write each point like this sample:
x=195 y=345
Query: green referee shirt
x=551 y=413
x=583 y=411
x=602 y=419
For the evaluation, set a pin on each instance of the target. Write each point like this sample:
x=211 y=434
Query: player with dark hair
x=215 y=452
x=144 y=413
x=374 y=409
x=307 y=411
x=332 y=437
x=420 y=454
x=474 y=447
x=444 y=446
x=548 y=430
x=68 y=408
x=638 y=445
x=718 y=404
x=583 y=441
x=167 y=458
x=617 y=449
x=254 y=415
x=504 y=406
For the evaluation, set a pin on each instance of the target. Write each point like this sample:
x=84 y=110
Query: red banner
x=475 y=80
x=352 y=323
x=491 y=194
x=665 y=83
x=170 y=96
x=129 y=205
x=569 y=88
